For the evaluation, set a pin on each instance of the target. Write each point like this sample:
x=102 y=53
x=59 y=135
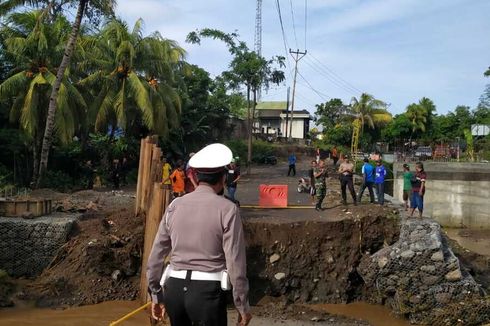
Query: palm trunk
x=249 y=133
x=48 y=132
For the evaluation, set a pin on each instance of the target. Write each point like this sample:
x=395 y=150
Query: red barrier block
x=273 y=195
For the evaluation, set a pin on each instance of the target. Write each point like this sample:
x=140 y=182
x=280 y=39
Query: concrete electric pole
x=297 y=55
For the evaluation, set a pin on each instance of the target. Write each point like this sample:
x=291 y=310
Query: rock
x=415 y=299
x=274 y=258
x=430 y=280
x=280 y=276
x=428 y=268
x=92 y=206
x=116 y=275
x=454 y=275
x=443 y=297
x=407 y=254
x=437 y=256
x=382 y=261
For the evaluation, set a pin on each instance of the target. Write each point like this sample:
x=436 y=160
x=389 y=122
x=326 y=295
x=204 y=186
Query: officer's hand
x=244 y=319
x=157 y=311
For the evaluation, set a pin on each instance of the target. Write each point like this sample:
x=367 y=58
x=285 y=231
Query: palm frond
x=140 y=95
x=120 y=105
x=13 y=85
x=29 y=112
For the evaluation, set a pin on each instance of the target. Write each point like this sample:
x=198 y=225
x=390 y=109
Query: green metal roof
x=272 y=105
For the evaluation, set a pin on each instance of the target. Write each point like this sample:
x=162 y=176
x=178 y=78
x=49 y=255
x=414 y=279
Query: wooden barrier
x=152 y=198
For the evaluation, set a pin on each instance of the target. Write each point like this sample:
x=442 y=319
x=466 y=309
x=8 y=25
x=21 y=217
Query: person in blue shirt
x=368 y=181
x=379 y=181
x=292 y=164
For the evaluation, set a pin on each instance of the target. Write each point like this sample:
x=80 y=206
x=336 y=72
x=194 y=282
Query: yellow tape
x=131 y=314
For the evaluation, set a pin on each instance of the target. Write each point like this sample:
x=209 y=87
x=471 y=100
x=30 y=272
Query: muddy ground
x=295 y=256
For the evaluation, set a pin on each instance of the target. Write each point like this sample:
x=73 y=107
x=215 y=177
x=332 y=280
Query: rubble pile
x=420 y=277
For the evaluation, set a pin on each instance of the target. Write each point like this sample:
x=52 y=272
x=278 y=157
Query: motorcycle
x=304 y=185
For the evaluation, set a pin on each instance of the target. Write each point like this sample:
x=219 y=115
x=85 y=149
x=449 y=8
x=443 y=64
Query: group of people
x=183 y=178
x=373 y=178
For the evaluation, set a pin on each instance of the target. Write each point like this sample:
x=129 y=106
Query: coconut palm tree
x=106 y=7
x=35 y=49
x=417 y=115
x=131 y=77
x=370 y=111
x=366 y=111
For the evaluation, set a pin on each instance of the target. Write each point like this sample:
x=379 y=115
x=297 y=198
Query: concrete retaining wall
x=457 y=194
x=28 y=246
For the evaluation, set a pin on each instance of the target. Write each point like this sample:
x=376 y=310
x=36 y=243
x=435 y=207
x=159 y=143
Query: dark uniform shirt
x=202 y=232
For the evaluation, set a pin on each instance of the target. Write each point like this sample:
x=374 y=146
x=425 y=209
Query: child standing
x=407 y=185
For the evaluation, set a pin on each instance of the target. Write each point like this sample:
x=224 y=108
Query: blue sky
x=396 y=50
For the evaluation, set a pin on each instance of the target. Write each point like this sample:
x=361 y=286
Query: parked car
x=423 y=152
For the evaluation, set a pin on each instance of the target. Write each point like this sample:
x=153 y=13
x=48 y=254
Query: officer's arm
x=154 y=270
x=234 y=248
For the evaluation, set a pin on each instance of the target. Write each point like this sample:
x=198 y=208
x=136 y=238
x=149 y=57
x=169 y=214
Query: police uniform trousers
x=195 y=303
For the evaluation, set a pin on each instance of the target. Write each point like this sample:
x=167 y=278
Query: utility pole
x=287 y=112
x=297 y=55
x=258 y=37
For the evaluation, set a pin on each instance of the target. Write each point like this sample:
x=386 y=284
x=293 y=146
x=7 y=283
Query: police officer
x=202 y=231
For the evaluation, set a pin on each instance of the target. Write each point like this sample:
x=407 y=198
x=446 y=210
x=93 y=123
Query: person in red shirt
x=418 y=189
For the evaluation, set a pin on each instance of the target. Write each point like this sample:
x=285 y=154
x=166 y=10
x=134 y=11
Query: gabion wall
x=28 y=246
x=421 y=278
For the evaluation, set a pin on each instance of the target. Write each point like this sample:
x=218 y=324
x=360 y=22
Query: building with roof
x=271 y=120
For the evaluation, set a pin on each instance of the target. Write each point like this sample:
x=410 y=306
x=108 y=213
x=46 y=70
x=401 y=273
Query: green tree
x=370 y=111
x=399 y=128
x=418 y=118
x=330 y=113
x=33 y=46
x=131 y=77
x=106 y=7
x=487 y=73
x=247 y=69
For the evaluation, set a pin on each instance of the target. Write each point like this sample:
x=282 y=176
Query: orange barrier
x=273 y=196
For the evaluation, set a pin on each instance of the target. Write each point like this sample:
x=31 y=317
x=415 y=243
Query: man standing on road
x=368 y=180
x=418 y=189
x=292 y=164
x=232 y=178
x=203 y=234
x=379 y=181
x=346 y=171
x=311 y=174
x=320 y=174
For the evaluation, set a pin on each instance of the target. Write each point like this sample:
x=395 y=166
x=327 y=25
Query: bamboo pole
x=140 y=173
x=153 y=218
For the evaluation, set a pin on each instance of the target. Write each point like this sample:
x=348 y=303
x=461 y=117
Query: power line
x=335 y=82
x=332 y=78
x=284 y=39
x=336 y=75
x=294 y=25
x=306 y=19
x=323 y=96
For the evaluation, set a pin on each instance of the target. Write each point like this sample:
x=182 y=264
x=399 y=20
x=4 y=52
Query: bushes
x=260 y=149
x=57 y=180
